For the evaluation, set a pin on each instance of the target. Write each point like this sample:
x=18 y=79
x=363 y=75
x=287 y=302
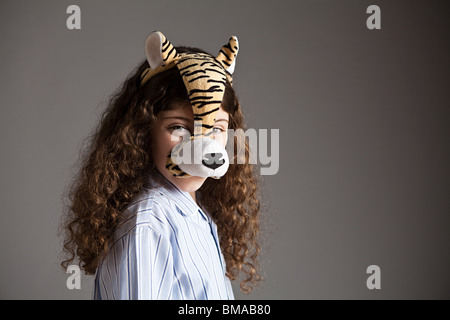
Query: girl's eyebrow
x=187 y=119
x=217 y=120
x=178 y=117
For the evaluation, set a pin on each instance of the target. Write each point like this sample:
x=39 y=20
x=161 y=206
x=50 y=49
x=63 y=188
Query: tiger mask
x=204 y=77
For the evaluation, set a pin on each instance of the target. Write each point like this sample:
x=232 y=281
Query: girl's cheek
x=163 y=143
x=171 y=139
x=221 y=138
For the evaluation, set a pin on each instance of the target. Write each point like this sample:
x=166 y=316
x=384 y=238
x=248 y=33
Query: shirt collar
x=183 y=200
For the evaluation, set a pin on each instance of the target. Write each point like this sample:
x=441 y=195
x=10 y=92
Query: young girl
x=147 y=224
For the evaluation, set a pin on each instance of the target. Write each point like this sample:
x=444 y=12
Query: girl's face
x=169 y=130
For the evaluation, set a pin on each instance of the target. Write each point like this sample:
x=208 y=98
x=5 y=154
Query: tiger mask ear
x=159 y=50
x=228 y=53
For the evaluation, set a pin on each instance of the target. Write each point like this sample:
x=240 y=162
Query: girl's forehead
x=178 y=108
x=222 y=114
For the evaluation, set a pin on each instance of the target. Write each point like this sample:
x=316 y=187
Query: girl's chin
x=190 y=184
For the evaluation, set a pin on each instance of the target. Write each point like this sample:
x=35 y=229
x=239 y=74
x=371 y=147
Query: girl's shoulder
x=152 y=208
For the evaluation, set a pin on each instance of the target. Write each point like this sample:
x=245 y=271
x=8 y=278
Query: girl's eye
x=217 y=130
x=179 y=131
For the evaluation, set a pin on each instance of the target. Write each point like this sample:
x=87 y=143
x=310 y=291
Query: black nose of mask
x=213 y=160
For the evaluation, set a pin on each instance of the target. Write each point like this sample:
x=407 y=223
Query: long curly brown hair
x=117 y=162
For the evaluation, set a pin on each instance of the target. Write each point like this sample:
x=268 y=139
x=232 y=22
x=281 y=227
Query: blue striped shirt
x=166 y=247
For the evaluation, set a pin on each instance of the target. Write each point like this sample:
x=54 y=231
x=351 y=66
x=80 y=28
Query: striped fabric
x=166 y=247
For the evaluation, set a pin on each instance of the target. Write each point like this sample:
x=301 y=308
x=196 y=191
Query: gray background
x=364 y=125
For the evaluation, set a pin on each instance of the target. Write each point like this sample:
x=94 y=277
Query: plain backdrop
x=363 y=115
